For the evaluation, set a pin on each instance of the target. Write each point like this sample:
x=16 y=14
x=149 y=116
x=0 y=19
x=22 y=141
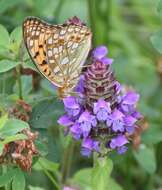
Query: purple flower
x=76 y=131
x=102 y=110
x=71 y=106
x=130 y=98
x=88 y=145
x=80 y=86
x=106 y=60
x=68 y=188
x=129 y=120
x=118 y=141
x=100 y=52
x=116 y=121
x=65 y=121
x=87 y=121
x=122 y=149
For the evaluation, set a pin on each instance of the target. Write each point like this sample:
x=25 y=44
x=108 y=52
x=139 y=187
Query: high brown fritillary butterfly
x=58 y=51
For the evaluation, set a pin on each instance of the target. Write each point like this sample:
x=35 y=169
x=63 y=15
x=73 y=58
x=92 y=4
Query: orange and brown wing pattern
x=59 y=51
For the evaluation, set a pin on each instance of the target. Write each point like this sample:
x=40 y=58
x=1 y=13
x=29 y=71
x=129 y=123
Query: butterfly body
x=58 y=51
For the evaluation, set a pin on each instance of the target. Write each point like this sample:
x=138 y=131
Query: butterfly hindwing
x=58 y=51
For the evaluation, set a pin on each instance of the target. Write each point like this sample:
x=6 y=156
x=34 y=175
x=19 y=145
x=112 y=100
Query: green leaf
x=101 y=174
x=14 y=138
x=46 y=113
x=4 y=37
x=83 y=178
x=6 y=4
x=153 y=134
x=156 y=39
x=30 y=65
x=114 y=185
x=26 y=85
x=43 y=163
x=16 y=39
x=159 y=9
x=35 y=188
x=42 y=148
x=13 y=126
x=146 y=158
x=6 y=65
x=3 y=120
x=18 y=180
x=6 y=178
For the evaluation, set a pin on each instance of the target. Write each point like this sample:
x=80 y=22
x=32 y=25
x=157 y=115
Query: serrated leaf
x=18 y=182
x=45 y=113
x=6 y=178
x=6 y=65
x=146 y=158
x=4 y=37
x=101 y=174
x=13 y=126
x=3 y=120
x=156 y=39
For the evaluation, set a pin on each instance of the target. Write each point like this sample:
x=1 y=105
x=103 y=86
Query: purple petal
x=93 y=121
x=118 y=126
x=101 y=104
x=117 y=115
x=87 y=143
x=96 y=146
x=102 y=115
x=131 y=98
x=100 y=52
x=86 y=152
x=118 y=141
x=122 y=149
x=76 y=131
x=107 y=61
x=129 y=120
x=65 y=121
x=85 y=116
x=130 y=129
x=137 y=115
x=80 y=86
x=70 y=102
x=86 y=128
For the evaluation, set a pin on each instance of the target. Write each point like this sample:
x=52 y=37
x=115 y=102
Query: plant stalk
x=67 y=161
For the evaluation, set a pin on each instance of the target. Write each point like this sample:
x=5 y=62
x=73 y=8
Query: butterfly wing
x=59 y=51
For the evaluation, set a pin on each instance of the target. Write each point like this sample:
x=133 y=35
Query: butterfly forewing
x=59 y=51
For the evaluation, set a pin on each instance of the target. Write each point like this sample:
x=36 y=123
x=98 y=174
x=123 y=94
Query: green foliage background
x=129 y=29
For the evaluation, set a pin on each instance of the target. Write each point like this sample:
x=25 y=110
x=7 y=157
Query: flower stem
x=67 y=161
x=18 y=67
x=101 y=172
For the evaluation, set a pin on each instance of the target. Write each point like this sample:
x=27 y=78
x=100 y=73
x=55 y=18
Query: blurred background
x=125 y=27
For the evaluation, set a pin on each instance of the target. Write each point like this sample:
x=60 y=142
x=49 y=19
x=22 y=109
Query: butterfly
x=58 y=51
